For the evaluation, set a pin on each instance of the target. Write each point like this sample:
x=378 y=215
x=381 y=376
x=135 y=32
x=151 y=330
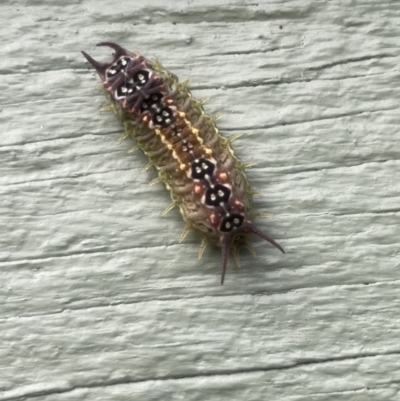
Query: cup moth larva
x=196 y=164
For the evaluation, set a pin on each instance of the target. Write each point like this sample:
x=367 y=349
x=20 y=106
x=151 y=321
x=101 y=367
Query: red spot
x=239 y=206
x=223 y=176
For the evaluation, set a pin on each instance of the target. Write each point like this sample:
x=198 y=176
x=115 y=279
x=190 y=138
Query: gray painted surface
x=98 y=299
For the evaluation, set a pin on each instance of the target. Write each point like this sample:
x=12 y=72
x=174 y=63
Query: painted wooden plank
x=98 y=299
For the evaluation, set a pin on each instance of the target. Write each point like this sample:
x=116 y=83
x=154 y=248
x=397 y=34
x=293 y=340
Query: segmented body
x=196 y=163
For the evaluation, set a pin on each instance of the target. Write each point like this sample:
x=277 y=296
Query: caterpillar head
x=102 y=68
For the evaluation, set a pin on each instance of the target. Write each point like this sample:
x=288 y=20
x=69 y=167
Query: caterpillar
x=196 y=164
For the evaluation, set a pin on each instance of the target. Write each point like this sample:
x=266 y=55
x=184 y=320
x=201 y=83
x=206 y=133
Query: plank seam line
x=351 y=60
x=166 y=300
x=227 y=372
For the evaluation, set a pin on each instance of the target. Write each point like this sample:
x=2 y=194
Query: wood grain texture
x=98 y=299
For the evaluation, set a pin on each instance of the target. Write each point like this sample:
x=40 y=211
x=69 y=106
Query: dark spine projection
x=196 y=163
